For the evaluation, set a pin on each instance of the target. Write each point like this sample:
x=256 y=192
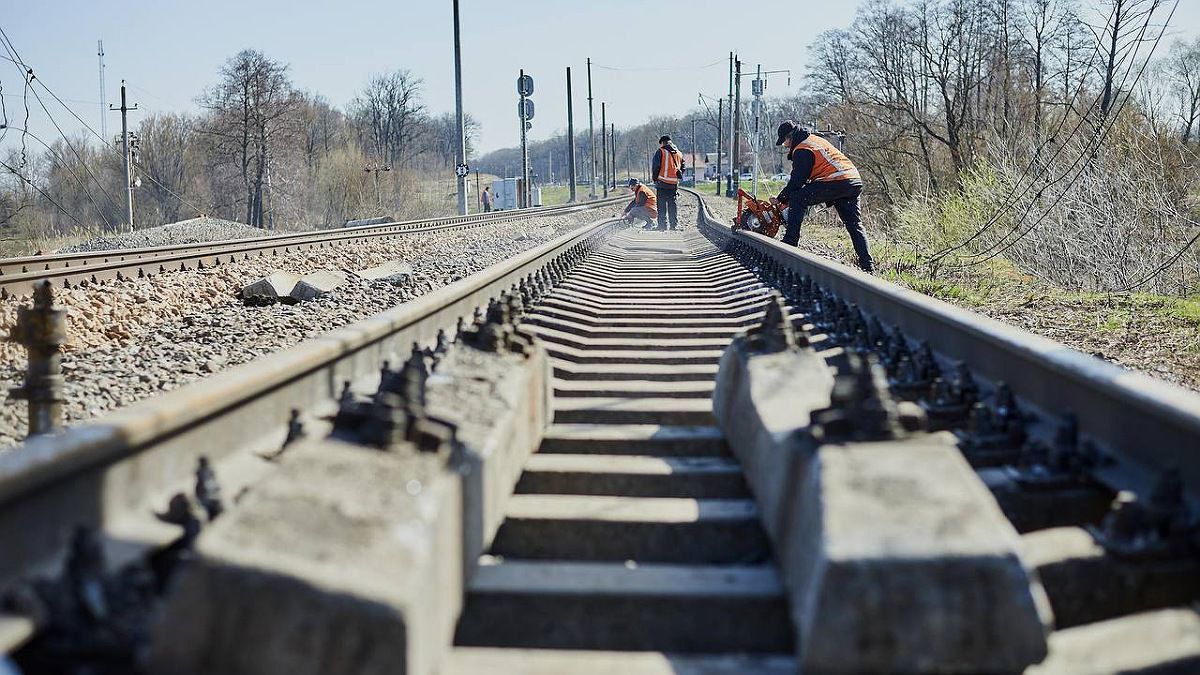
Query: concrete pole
x=612 y=149
x=460 y=151
x=571 y=137
x=591 y=133
x=732 y=137
x=736 y=167
x=720 y=133
x=125 y=156
x=693 y=152
x=604 y=147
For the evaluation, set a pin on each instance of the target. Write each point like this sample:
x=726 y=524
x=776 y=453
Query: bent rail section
x=114 y=472
x=1145 y=424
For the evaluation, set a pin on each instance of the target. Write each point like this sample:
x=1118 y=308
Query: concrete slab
x=620 y=606
x=314 y=285
x=587 y=410
x=568 y=370
x=496 y=661
x=1086 y=585
x=633 y=476
x=896 y=557
x=1163 y=641
x=273 y=288
x=501 y=405
x=585 y=527
x=632 y=389
x=679 y=357
x=637 y=439
x=345 y=560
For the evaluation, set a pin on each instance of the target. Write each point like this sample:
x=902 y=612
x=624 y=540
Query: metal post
x=571 y=137
x=591 y=133
x=478 y=194
x=460 y=151
x=125 y=156
x=720 y=132
x=604 y=147
x=42 y=330
x=525 y=192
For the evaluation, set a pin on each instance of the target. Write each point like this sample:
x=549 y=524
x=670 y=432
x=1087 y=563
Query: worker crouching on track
x=821 y=174
x=643 y=206
x=667 y=166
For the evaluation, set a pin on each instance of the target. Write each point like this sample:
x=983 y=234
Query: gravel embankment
x=133 y=339
x=191 y=231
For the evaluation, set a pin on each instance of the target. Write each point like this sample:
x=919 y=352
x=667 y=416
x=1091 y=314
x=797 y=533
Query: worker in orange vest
x=821 y=174
x=667 y=167
x=644 y=205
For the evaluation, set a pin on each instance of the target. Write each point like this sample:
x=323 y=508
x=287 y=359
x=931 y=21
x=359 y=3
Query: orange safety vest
x=669 y=163
x=651 y=198
x=828 y=162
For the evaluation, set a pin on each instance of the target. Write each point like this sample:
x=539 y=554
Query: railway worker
x=821 y=174
x=643 y=206
x=667 y=166
x=487 y=199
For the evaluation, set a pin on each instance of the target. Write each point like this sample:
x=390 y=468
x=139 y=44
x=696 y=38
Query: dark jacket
x=802 y=168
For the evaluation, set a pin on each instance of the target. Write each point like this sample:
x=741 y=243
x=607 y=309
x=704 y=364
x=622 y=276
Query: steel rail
x=1146 y=425
x=17 y=275
x=114 y=472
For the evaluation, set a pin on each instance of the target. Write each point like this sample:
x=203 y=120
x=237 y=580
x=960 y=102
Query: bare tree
x=388 y=115
x=252 y=109
x=1182 y=70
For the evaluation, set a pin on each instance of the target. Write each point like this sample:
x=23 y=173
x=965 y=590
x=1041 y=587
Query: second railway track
x=18 y=275
x=658 y=529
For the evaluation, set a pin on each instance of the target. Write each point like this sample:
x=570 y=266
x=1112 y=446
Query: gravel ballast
x=133 y=339
x=192 y=231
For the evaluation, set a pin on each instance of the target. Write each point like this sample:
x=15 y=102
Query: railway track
x=18 y=275
x=658 y=530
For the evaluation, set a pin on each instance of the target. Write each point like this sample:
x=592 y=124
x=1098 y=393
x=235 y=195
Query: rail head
x=1145 y=424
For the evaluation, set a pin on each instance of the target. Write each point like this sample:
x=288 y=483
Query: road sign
x=525 y=109
x=462 y=170
x=525 y=85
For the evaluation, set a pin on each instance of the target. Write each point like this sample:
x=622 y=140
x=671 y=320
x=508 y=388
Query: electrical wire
x=1162 y=268
x=1018 y=191
x=660 y=69
x=42 y=192
x=992 y=251
x=62 y=161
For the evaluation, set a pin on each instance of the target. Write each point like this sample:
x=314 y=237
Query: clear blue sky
x=170 y=51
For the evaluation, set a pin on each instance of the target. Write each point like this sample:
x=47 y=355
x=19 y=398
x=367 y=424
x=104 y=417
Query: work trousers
x=667 y=207
x=843 y=194
x=640 y=213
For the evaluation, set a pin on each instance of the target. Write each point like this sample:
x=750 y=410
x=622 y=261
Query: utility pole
x=103 y=94
x=591 y=133
x=550 y=167
x=732 y=134
x=460 y=150
x=693 y=152
x=613 y=151
x=720 y=132
x=571 y=137
x=604 y=146
x=125 y=155
x=756 y=88
x=735 y=163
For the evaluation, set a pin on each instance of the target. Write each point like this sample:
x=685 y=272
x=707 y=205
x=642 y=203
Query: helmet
x=664 y=139
x=790 y=128
x=632 y=182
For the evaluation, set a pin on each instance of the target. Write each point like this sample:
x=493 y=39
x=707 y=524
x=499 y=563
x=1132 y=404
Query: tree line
x=260 y=151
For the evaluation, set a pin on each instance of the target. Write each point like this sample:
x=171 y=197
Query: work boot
x=867 y=265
